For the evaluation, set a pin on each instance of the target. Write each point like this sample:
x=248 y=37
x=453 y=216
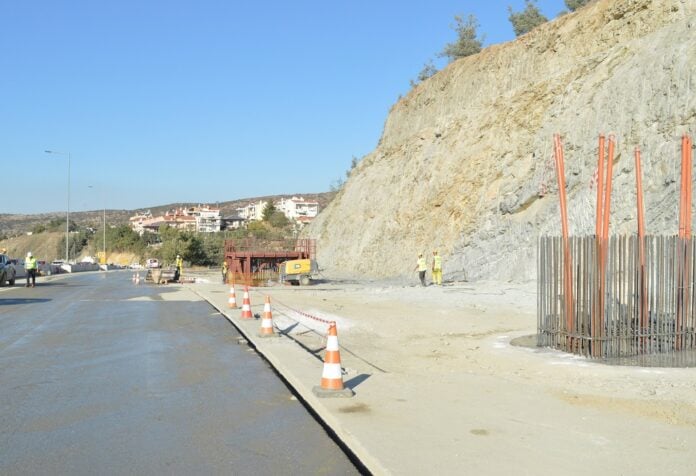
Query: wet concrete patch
x=529 y=341
x=356 y=408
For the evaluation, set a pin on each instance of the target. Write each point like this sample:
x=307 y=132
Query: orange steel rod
x=607 y=192
x=600 y=186
x=641 y=242
x=604 y=241
x=687 y=198
x=599 y=302
x=683 y=188
x=568 y=268
x=685 y=234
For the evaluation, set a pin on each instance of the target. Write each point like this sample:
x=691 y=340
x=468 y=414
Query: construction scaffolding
x=255 y=262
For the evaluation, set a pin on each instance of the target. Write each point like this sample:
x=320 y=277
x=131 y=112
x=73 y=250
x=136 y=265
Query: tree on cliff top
x=526 y=20
x=468 y=42
x=575 y=4
x=428 y=70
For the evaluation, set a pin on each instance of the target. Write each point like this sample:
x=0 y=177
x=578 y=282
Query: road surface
x=98 y=376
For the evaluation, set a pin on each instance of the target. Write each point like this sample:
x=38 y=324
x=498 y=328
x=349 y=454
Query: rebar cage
x=620 y=297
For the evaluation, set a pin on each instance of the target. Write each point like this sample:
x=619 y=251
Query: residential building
x=203 y=219
x=180 y=219
x=297 y=207
x=208 y=220
x=139 y=221
x=232 y=223
x=253 y=211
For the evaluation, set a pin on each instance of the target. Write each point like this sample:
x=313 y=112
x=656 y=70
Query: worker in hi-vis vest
x=437 y=268
x=225 y=269
x=422 y=267
x=179 y=266
x=30 y=267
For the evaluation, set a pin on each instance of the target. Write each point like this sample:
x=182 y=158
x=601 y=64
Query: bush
x=526 y=20
x=76 y=242
x=575 y=4
x=467 y=43
x=38 y=228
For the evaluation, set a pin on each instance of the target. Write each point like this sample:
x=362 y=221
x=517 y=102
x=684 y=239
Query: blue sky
x=208 y=100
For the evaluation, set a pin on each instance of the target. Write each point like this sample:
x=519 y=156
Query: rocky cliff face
x=465 y=161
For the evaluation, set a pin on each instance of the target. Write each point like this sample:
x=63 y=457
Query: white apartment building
x=208 y=219
x=297 y=207
x=253 y=211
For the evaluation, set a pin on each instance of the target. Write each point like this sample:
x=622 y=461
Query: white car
x=152 y=263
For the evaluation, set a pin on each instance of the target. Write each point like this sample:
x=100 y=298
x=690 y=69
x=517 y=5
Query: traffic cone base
x=324 y=393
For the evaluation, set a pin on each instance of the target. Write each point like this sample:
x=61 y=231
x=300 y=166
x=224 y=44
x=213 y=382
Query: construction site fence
x=625 y=296
x=259 y=278
x=304 y=245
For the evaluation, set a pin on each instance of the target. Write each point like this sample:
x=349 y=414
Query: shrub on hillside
x=526 y=20
x=468 y=41
x=575 y=4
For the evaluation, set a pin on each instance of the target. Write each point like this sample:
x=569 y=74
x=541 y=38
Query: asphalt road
x=98 y=376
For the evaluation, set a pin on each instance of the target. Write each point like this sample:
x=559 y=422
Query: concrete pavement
x=440 y=389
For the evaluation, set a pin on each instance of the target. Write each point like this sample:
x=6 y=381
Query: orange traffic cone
x=246 y=305
x=331 y=376
x=232 y=301
x=267 y=320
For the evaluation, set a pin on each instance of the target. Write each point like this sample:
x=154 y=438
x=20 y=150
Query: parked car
x=20 y=271
x=43 y=268
x=7 y=270
x=152 y=263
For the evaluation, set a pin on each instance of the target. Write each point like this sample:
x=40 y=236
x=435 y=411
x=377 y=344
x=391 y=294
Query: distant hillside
x=16 y=224
x=47 y=246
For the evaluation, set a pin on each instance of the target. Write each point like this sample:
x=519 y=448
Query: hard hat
x=178 y=256
x=29 y=254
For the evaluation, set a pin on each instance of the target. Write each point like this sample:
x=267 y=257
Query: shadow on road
x=357 y=380
x=16 y=301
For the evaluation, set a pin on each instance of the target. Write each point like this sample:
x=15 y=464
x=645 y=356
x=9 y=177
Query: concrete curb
x=302 y=372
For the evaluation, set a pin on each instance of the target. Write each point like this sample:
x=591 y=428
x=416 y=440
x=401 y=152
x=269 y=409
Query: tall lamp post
x=67 y=215
x=104 y=237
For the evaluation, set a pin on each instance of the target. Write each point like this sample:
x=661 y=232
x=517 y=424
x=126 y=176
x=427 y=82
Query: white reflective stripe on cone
x=332 y=371
x=332 y=343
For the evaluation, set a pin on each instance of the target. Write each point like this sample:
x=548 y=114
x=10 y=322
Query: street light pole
x=67 y=217
x=104 y=230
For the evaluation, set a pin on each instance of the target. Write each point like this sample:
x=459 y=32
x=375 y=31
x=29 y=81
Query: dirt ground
x=436 y=365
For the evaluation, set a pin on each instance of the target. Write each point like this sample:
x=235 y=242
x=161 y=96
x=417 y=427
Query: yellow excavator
x=298 y=271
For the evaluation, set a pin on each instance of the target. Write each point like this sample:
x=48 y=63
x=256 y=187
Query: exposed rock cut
x=464 y=164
